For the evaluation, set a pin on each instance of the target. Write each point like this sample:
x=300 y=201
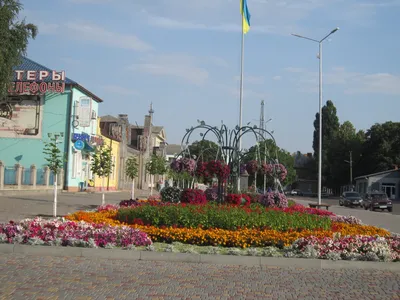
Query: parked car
x=377 y=200
x=350 y=199
x=296 y=193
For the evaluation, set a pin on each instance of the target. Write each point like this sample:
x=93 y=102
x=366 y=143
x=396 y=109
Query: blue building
x=42 y=104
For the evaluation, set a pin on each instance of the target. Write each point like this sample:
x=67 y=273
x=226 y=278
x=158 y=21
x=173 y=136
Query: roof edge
x=86 y=91
x=378 y=173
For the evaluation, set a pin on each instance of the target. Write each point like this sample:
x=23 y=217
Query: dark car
x=350 y=199
x=377 y=200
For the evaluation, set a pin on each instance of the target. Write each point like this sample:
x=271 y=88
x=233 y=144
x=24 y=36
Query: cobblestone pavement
x=34 y=277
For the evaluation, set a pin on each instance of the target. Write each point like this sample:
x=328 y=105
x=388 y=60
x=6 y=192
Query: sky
x=184 y=57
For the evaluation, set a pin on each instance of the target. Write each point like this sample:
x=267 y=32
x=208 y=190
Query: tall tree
x=330 y=126
x=14 y=36
x=204 y=150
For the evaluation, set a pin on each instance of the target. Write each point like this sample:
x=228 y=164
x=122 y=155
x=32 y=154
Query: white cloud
x=277 y=77
x=115 y=89
x=181 y=66
x=94 y=33
x=352 y=82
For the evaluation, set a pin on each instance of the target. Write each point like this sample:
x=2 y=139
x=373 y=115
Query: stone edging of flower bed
x=263 y=262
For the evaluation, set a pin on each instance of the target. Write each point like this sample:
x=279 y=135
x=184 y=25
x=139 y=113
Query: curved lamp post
x=320 y=106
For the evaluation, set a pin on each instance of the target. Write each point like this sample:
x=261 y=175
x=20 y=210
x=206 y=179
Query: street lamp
x=320 y=106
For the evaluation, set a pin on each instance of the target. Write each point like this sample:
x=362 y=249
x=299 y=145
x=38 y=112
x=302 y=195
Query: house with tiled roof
x=43 y=104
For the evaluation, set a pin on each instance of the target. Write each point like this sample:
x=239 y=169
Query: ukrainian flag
x=245 y=15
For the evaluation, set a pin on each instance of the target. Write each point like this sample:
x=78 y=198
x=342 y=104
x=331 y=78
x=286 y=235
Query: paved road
x=335 y=201
x=29 y=206
x=385 y=219
x=37 y=277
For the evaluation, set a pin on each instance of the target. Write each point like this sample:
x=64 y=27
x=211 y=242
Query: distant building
x=386 y=181
x=172 y=151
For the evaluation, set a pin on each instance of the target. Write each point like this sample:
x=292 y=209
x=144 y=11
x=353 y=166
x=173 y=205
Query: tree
x=55 y=161
x=330 y=126
x=271 y=151
x=381 y=150
x=131 y=170
x=204 y=150
x=102 y=166
x=156 y=165
x=14 y=36
x=346 y=140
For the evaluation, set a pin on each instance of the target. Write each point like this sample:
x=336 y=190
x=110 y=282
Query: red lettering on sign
x=51 y=87
x=43 y=87
x=34 y=87
x=60 y=87
x=18 y=87
x=25 y=87
x=11 y=88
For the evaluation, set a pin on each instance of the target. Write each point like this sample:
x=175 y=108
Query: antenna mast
x=262 y=122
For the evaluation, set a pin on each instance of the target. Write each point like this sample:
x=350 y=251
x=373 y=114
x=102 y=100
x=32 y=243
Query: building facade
x=43 y=104
x=112 y=139
x=386 y=181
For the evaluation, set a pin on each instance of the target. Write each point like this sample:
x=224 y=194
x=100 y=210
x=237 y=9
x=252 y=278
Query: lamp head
x=334 y=30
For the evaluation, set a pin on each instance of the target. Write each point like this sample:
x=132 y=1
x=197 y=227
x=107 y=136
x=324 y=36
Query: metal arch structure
x=228 y=142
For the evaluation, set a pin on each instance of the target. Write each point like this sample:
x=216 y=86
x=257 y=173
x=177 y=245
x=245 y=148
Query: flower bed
x=66 y=233
x=221 y=216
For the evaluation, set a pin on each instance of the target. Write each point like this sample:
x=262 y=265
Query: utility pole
x=350 y=162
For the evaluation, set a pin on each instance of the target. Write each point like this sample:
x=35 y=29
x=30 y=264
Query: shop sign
x=87 y=138
x=38 y=82
x=79 y=145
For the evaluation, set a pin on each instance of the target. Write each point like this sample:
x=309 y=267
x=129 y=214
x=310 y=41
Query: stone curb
x=263 y=262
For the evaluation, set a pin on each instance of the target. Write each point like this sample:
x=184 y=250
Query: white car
x=296 y=193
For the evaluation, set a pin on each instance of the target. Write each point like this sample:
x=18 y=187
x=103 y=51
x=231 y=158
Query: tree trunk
x=151 y=184
x=133 y=189
x=55 y=196
x=103 y=196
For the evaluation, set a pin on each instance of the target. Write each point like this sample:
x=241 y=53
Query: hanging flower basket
x=252 y=167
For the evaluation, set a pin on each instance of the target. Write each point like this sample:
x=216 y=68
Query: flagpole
x=241 y=97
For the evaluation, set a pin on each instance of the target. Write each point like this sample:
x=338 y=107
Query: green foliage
x=170 y=194
x=330 y=127
x=381 y=150
x=102 y=162
x=14 y=36
x=221 y=216
x=156 y=165
x=132 y=167
x=53 y=156
x=205 y=150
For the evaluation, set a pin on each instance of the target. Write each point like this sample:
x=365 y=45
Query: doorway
x=389 y=189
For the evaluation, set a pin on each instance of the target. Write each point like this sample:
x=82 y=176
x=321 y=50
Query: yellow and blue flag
x=245 y=15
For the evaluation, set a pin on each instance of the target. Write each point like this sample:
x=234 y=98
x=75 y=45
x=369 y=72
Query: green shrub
x=170 y=194
x=221 y=216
